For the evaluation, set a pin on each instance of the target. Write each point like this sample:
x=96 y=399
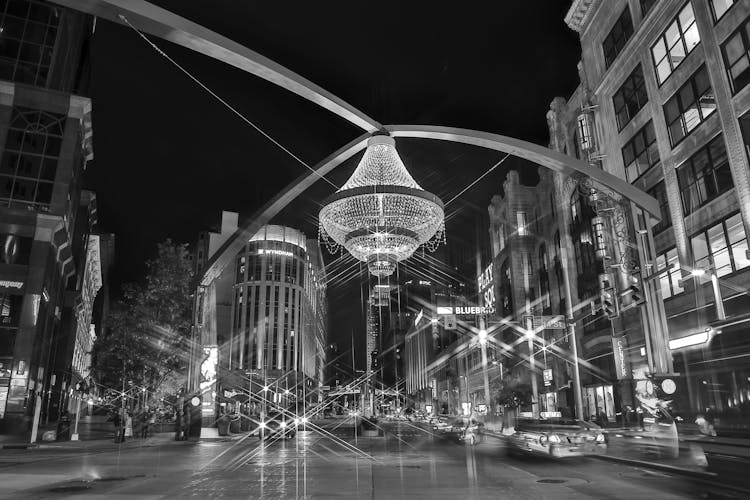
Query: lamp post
x=485 y=375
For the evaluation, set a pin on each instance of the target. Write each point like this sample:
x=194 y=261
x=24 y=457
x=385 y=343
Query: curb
x=659 y=466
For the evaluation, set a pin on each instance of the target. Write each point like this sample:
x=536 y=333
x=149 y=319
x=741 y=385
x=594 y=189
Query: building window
x=736 y=54
x=523 y=229
x=679 y=39
x=630 y=97
x=689 y=106
x=668 y=267
x=506 y=290
x=641 y=152
x=659 y=192
x=29 y=30
x=29 y=163
x=720 y=7
x=544 y=277
x=704 y=176
x=721 y=247
x=618 y=37
x=646 y=6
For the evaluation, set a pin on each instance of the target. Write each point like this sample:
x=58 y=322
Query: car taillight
x=600 y=438
x=553 y=438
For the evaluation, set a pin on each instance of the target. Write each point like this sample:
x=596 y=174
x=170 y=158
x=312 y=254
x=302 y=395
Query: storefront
x=599 y=398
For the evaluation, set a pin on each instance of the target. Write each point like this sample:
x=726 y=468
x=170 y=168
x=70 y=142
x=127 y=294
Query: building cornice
x=579 y=14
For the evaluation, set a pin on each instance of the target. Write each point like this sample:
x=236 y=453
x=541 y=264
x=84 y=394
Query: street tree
x=146 y=344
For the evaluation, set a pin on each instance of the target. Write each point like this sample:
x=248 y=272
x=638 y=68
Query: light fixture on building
x=381 y=215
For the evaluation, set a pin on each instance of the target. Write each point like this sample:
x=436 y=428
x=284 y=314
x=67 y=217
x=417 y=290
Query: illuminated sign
x=486 y=286
x=11 y=284
x=283 y=253
x=419 y=317
x=622 y=363
x=466 y=311
x=691 y=340
x=425 y=283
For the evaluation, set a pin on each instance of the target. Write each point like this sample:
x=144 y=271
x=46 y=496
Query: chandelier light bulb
x=381 y=215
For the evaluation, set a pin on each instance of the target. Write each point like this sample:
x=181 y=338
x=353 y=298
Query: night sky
x=169 y=158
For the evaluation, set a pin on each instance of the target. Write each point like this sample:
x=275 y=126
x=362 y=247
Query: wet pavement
x=328 y=462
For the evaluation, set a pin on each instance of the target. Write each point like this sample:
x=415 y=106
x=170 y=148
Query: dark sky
x=169 y=158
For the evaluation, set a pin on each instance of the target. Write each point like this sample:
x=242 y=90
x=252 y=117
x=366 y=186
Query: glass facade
x=276 y=304
x=29 y=32
x=29 y=162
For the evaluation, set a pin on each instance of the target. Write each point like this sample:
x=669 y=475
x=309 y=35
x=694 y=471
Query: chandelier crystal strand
x=381 y=215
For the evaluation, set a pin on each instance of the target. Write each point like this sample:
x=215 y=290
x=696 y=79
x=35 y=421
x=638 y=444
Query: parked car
x=442 y=424
x=557 y=438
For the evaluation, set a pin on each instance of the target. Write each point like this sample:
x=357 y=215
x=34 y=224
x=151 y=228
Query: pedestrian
x=145 y=421
x=128 y=425
x=117 y=421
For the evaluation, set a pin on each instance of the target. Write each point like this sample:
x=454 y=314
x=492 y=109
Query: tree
x=147 y=342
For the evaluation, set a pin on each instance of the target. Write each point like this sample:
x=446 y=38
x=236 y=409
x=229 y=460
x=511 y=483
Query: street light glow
x=483 y=337
x=697 y=272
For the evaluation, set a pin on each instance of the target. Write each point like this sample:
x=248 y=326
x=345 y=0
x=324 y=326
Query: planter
x=223 y=425
x=234 y=425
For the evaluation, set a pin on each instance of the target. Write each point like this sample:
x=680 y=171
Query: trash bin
x=63 y=428
x=234 y=424
x=223 y=425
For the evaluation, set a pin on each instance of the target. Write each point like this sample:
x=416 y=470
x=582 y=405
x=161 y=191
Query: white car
x=557 y=438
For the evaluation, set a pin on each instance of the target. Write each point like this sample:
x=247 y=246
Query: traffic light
x=610 y=306
x=375 y=363
x=636 y=290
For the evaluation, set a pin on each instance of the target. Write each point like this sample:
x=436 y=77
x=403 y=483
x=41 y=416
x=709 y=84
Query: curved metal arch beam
x=227 y=252
x=553 y=160
x=538 y=154
x=159 y=22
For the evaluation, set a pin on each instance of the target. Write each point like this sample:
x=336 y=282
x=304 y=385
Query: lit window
x=679 y=39
x=617 y=37
x=722 y=247
x=668 y=267
x=720 y=7
x=736 y=54
x=689 y=106
x=704 y=176
x=521 y=219
x=630 y=98
x=641 y=152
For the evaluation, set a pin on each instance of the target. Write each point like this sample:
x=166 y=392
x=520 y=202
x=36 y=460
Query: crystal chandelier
x=381 y=215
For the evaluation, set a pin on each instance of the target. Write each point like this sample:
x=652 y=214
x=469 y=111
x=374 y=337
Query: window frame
x=662 y=38
x=728 y=245
x=691 y=81
x=630 y=79
x=698 y=176
x=742 y=31
x=626 y=30
x=673 y=276
x=642 y=132
x=713 y=10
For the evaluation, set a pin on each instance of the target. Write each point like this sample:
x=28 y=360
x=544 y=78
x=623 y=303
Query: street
x=328 y=462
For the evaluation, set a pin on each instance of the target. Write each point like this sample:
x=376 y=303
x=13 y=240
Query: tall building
x=663 y=102
x=45 y=145
x=270 y=315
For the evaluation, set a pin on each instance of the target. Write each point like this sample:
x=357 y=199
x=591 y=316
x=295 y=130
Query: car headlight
x=303 y=420
x=296 y=421
x=600 y=438
x=262 y=425
x=553 y=438
x=282 y=424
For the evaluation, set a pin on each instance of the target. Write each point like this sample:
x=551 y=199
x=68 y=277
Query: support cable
x=222 y=101
x=478 y=179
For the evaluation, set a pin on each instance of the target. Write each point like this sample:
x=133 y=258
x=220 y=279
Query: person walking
x=117 y=421
x=145 y=423
x=128 y=425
